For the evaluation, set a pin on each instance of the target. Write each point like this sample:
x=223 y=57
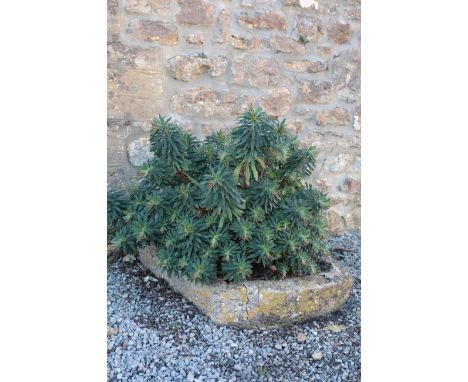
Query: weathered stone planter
x=259 y=303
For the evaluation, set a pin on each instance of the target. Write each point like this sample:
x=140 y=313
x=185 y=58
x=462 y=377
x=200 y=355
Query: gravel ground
x=154 y=334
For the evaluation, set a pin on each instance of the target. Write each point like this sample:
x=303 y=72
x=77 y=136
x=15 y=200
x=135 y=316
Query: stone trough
x=261 y=303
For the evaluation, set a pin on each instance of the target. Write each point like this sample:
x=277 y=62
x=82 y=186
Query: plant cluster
x=234 y=206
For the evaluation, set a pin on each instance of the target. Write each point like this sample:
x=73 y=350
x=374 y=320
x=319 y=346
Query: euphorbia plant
x=233 y=206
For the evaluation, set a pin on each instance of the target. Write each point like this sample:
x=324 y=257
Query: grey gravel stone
x=162 y=337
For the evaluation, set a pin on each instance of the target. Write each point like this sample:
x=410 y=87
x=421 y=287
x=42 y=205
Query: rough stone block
x=116 y=134
x=196 y=38
x=237 y=71
x=340 y=33
x=351 y=184
x=162 y=32
x=204 y=102
x=302 y=66
x=186 y=68
x=346 y=70
x=282 y=44
x=327 y=140
x=195 y=12
x=262 y=71
x=353 y=218
x=335 y=117
x=295 y=126
x=335 y=220
x=266 y=19
x=113 y=20
x=148 y=6
x=242 y=42
x=322 y=184
x=135 y=82
x=323 y=51
x=259 y=71
x=224 y=22
x=339 y=162
x=117 y=163
x=353 y=14
x=277 y=102
x=315 y=91
x=308 y=28
x=259 y=303
x=245 y=42
x=139 y=151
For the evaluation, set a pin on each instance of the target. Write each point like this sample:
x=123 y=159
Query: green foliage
x=117 y=202
x=221 y=195
x=238 y=269
x=124 y=240
x=202 y=270
x=243 y=229
x=251 y=139
x=167 y=143
x=234 y=206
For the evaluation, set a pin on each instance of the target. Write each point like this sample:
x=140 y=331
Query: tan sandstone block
x=308 y=28
x=295 y=125
x=117 y=164
x=266 y=19
x=116 y=134
x=335 y=220
x=323 y=51
x=196 y=38
x=138 y=151
x=195 y=12
x=277 y=102
x=339 y=162
x=353 y=14
x=224 y=22
x=282 y=44
x=340 y=33
x=259 y=71
x=302 y=66
x=323 y=184
x=353 y=218
x=351 y=184
x=148 y=6
x=204 y=102
x=237 y=41
x=315 y=91
x=113 y=20
x=328 y=140
x=335 y=117
x=188 y=67
x=237 y=71
x=135 y=82
x=162 y=32
x=346 y=70
x=262 y=71
x=245 y=42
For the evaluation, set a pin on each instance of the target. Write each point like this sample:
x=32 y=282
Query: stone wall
x=202 y=62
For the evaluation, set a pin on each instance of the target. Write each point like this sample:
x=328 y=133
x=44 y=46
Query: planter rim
x=336 y=269
x=261 y=303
